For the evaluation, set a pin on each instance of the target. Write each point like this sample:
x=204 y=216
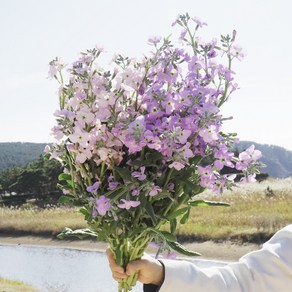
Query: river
x=51 y=269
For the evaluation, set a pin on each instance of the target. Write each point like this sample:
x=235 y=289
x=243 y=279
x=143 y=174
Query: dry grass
x=14 y=286
x=255 y=208
x=39 y=221
x=258 y=208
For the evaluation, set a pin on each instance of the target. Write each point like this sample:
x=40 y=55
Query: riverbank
x=226 y=250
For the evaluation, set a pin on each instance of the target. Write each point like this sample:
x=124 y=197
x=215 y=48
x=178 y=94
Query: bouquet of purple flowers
x=138 y=142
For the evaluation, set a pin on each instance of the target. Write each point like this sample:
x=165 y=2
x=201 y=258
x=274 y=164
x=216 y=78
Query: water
x=62 y=270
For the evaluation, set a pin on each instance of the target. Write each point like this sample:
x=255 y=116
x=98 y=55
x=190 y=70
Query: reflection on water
x=60 y=270
x=56 y=269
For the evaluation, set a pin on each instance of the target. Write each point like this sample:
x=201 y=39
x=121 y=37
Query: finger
x=118 y=276
x=112 y=263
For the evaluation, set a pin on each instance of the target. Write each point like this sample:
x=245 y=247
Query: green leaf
x=185 y=217
x=177 y=213
x=181 y=249
x=208 y=203
x=173 y=225
x=168 y=236
x=83 y=211
x=80 y=233
x=124 y=173
x=149 y=209
x=64 y=176
x=66 y=199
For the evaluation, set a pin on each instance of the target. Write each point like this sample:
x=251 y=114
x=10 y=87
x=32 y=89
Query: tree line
x=37 y=179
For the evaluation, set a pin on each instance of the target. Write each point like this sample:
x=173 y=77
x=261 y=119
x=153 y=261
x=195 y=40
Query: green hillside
x=19 y=154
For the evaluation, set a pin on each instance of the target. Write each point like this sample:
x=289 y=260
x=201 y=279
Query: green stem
x=224 y=96
x=168 y=177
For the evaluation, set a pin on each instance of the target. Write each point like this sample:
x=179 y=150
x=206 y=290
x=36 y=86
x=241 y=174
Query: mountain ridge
x=277 y=159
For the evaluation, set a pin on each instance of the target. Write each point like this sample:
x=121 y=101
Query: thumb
x=134 y=267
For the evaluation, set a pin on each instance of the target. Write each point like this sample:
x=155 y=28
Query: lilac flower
x=57 y=132
x=170 y=186
x=82 y=155
x=64 y=113
x=155 y=190
x=248 y=156
x=154 y=40
x=209 y=134
x=93 y=188
x=199 y=22
x=140 y=175
x=170 y=256
x=223 y=158
x=182 y=135
x=253 y=153
x=135 y=192
x=176 y=165
x=237 y=52
x=248 y=179
x=127 y=204
x=102 y=205
x=79 y=136
x=112 y=185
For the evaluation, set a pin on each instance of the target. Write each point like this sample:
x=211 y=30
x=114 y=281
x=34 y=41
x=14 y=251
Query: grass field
x=257 y=210
x=14 y=286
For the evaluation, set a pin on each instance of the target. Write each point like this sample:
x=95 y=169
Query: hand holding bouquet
x=138 y=142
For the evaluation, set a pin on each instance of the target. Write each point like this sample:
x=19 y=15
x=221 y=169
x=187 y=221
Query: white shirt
x=266 y=270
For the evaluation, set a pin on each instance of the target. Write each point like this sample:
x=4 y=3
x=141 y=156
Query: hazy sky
x=33 y=32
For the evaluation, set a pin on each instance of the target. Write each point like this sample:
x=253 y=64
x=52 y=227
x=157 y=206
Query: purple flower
x=155 y=191
x=209 y=134
x=112 y=185
x=135 y=192
x=248 y=179
x=223 y=159
x=140 y=175
x=127 y=204
x=102 y=205
x=154 y=40
x=177 y=165
x=199 y=22
x=93 y=188
x=248 y=156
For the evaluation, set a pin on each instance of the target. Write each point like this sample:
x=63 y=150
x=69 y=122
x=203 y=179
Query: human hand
x=150 y=270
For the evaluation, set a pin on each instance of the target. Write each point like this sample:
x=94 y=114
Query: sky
x=34 y=32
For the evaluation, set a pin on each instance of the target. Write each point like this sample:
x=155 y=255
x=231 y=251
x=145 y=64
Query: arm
x=268 y=269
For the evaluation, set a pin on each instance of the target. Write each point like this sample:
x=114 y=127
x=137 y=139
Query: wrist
x=159 y=274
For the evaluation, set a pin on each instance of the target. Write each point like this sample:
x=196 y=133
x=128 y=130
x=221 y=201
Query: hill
x=19 y=154
x=277 y=159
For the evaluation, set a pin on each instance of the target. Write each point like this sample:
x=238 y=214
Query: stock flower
x=198 y=21
x=248 y=156
x=112 y=185
x=102 y=205
x=93 y=188
x=177 y=165
x=127 y=204
x=150 y=129
x=155 y=190
x=140 y=175
x=237 y=52
x=223 y=158
x=209 y=134
x=248 y=179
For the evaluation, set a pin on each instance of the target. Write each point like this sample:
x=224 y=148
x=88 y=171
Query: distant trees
x=39 y=177
x=17 y=154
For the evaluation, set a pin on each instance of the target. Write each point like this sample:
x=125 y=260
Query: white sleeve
x=268 y=269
